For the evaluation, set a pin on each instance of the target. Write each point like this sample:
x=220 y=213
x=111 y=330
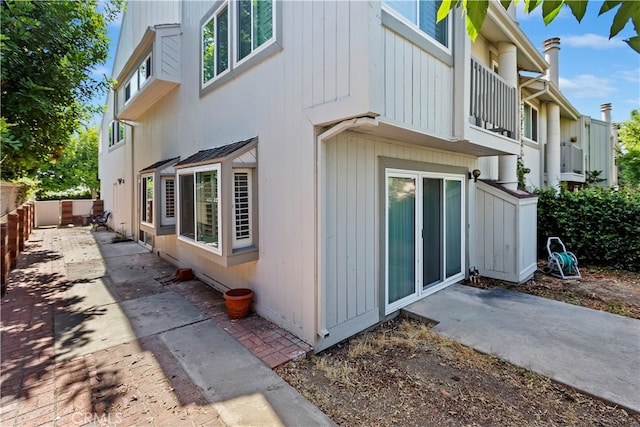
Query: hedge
x=600 y=226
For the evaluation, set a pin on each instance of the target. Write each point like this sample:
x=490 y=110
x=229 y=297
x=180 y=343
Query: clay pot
x=238 y=302
x=184 y=274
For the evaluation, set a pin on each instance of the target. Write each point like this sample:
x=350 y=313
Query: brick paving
x=136 y=383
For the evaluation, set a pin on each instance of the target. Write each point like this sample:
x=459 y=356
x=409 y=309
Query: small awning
x=213 y=154
x=160 y=164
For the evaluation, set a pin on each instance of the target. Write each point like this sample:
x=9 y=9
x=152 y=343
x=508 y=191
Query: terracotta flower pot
x=184 y=274
x=238 y=302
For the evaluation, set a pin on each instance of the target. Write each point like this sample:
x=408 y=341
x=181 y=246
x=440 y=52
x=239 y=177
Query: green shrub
x=600 y=226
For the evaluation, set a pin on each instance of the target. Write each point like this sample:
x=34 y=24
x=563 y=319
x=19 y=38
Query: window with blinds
x=169 y=199
x=242 y=208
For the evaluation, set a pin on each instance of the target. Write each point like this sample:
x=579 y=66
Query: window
x=215 y=45
x=169 y=203
x=146 y=199
x=137 y=79
x=242 y=224
x=235 y=36
x=530 y=122
x=144 y=71
x=200 y=207
x=255 y=25
x=423 y=14
x=116 y=133
x=425 y=237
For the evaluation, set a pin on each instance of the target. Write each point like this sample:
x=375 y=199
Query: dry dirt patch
x=401 y=373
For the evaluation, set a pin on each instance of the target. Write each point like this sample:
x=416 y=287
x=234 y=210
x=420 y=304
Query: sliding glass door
x=424 y=234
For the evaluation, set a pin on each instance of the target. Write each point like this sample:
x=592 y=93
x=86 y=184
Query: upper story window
x=530 y=122
x=215 y=45
x=137 y=79
x=116 y=133
x=255 y=25
x=423 y=14
x=236 y=35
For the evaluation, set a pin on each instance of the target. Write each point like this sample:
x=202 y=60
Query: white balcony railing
x=493 y=102
x=571 y=157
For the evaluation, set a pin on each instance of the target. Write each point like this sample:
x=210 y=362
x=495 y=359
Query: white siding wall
x=505 y=236
x=116 y=175
x=351 y=236
x=140 y=15
x=418 y=88
x=600 y=151
x=267 y=101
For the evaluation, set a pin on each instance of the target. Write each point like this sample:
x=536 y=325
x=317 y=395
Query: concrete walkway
x=595 y=352
x=99 y=333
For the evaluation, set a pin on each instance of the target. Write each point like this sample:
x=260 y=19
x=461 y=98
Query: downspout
x=358 y=122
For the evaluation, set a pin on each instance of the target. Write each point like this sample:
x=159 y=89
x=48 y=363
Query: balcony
x=572 y=163
x=493 y=103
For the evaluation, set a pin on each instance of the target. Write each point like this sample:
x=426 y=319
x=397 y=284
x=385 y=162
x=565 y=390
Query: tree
x=476 y=11
x=629 y=158
x=78 y=166
x=48 y=50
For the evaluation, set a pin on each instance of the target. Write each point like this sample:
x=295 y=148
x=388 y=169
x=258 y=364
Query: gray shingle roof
x=215 y=153
x=157 y=165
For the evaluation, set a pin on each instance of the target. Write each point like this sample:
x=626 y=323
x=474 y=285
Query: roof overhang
x=500 y=27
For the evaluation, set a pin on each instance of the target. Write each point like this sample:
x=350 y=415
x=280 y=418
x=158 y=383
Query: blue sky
x=593 y=69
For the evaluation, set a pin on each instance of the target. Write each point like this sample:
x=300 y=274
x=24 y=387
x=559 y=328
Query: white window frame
x=236 y=32
x=529 y=116
x=247 y=241
x=166 y=220
x=144 y=179
x=194 y=171
x=415 y=26
x=117 y=133
x=420 y=290
x=135 y=83
x=214 y=17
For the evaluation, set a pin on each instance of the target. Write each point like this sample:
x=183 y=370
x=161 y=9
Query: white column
x=508 y=68
x=553 y=145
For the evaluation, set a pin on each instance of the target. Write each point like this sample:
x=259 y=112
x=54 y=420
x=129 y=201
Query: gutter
x=355 y=123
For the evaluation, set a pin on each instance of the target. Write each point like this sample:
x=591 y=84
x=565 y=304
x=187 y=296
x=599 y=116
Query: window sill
x=239 y=256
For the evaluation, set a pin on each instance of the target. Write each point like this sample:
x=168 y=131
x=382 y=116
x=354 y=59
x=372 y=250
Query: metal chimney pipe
x=605 y=109
x=551 y=49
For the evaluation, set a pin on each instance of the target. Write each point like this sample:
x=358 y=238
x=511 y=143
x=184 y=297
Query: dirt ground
x=401 y=373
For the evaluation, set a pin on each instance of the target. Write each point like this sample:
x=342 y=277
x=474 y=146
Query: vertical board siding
x=138 y=17
x=418 y=88
x=327 y=62
x=351 y=181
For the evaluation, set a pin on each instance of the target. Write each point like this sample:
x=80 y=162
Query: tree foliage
x=629 y=157
x=48 y=52
x=476 y=12
x=78 y=166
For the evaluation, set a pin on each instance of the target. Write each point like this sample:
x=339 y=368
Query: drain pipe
x=355 y=123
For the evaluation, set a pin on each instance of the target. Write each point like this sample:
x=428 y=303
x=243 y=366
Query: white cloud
x=587 y=86
x=593 y=41
x=632 y=76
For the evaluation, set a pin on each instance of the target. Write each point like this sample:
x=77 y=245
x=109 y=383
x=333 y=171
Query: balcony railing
x=571 y=157
x=493 y=102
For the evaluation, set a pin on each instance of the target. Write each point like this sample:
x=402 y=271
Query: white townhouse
x=326 y=153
